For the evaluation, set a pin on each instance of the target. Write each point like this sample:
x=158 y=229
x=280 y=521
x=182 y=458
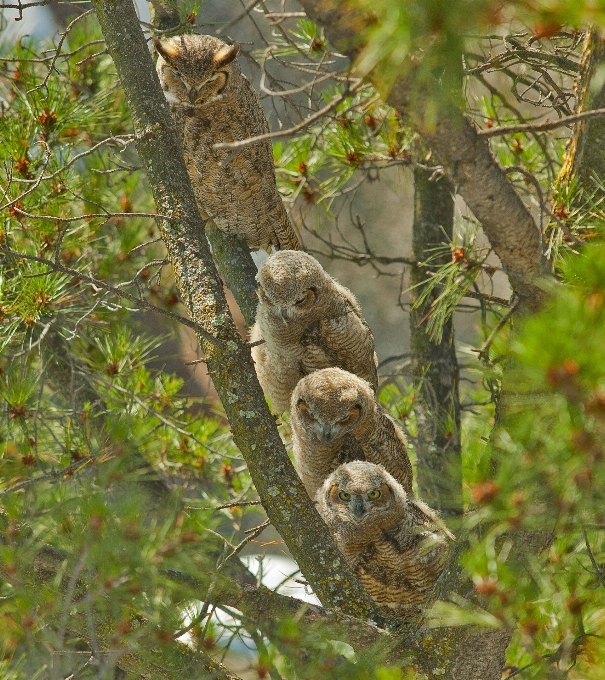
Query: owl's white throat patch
x=171 y=97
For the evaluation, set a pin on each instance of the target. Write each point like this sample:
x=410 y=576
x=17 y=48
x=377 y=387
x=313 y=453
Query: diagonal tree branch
x=254 y=432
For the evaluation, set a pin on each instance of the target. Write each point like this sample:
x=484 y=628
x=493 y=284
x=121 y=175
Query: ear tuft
x=167 y=49
x=226 y=54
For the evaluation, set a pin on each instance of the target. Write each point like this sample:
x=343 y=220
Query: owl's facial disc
x=210 y=90
x=191 y=76
x=328 y=432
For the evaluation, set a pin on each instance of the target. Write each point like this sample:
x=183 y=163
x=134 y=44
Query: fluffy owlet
x=397 y=545
x=335 y=420
x=212 y=102
x=308 y=321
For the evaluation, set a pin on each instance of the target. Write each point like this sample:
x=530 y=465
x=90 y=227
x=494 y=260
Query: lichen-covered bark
x=585 y=155
x=467 y=158
x=434 y=365
x=233 y=259
x=229 y=363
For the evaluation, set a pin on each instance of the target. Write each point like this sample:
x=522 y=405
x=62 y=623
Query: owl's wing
x=345 y=342
x=427 y=519
x=387 y=446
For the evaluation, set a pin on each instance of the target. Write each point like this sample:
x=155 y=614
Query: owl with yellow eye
x=397 y=545
x=336 y=419
x=308 y=321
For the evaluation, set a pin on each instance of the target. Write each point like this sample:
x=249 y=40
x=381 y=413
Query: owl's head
x=195 y=70
x=360 y=492
x=330 y=403
x=291 y=283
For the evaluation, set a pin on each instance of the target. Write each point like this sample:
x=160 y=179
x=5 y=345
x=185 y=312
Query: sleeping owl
x=308 y=321
x=396 y=545
x=213 y=102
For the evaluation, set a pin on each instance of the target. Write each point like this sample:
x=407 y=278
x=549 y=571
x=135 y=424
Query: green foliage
x=448 y=283
x=109 y=472
x=549 y=472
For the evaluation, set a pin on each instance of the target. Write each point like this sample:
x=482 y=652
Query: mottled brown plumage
x=397 y=545
x=308 y=322
x=335 y=420
x=213 y=102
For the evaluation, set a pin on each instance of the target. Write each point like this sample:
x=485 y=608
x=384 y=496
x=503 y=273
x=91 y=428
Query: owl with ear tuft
x=308 y=321
x=213 y=102
x=336 y=419
x=397 y=545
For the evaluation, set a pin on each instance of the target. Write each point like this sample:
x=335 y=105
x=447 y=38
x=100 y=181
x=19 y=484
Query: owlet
x=213 y=102
x=308 y=321
x=335 y=420
x=396 y=545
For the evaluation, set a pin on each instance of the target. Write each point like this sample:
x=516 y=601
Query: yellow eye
x=374 y=495
x=344 y=496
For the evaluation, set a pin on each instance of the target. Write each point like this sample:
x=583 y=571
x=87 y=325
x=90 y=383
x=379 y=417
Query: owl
x=213 y=102
x=335 y=420
x=308 y=321
x=396 y=545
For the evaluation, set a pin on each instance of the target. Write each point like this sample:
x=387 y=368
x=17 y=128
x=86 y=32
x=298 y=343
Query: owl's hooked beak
x=326 y=432
x=192 y=95
x=359 y=506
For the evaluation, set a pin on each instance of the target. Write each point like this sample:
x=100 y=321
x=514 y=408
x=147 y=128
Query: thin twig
x=251 y=534
x=50 y=475
x=280 y=134
x=541 y=127
x=124 y=140
x=543 y=204
x=22 y=6
x=598 y=570
x=234 y=504
x=58 y=50
x=249 y=7
x=158 y=415
x=484 y=350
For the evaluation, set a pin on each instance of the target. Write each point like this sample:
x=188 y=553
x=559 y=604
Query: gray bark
x=233 y=259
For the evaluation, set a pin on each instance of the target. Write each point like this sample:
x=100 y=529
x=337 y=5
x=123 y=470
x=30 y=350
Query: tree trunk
x=585 y=155
x=434 y=366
